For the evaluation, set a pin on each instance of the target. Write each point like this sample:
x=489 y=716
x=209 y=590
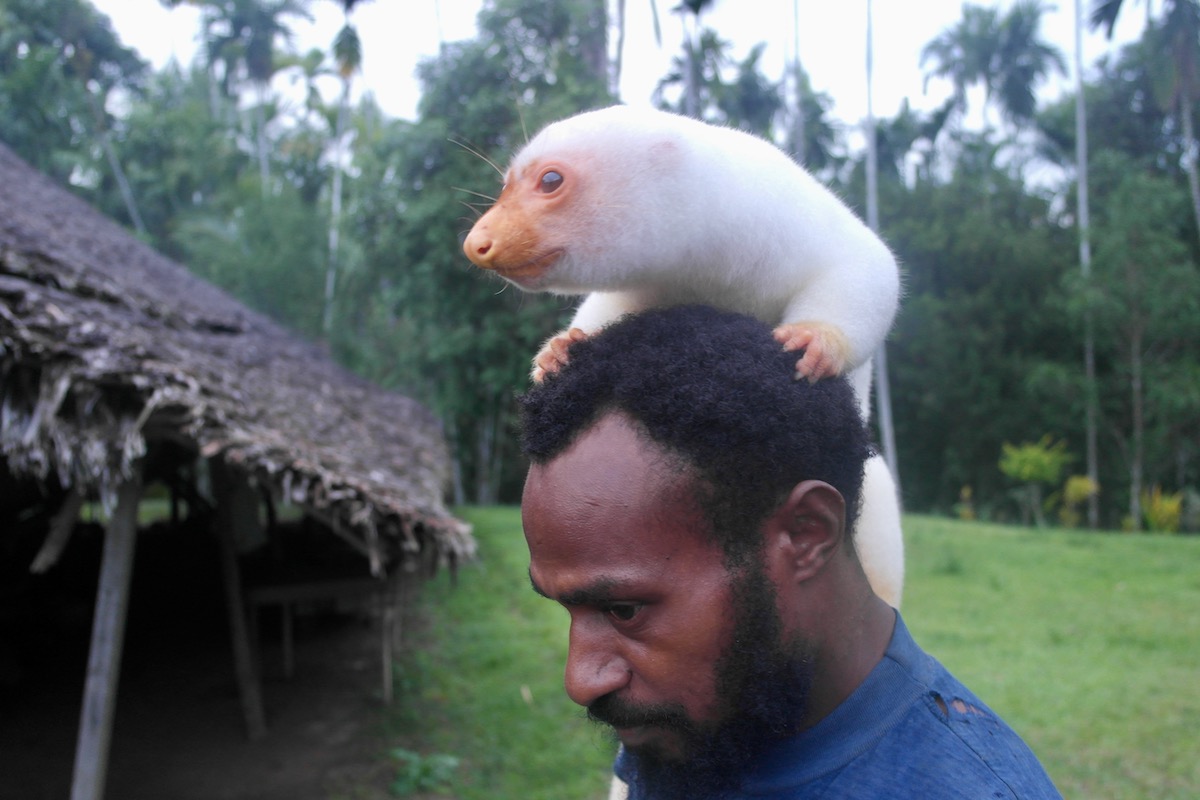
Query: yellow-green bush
x=1162 y=510
x=1075 y=493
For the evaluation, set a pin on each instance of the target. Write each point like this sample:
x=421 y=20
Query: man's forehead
x=603 y=505
x=615 y=436
x=608 y=442
x=612 y=466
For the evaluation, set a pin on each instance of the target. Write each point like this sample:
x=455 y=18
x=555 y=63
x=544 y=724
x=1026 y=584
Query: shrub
x=1075 y=493
x=1162 y=511
x=1034 y=464
x=418 y=773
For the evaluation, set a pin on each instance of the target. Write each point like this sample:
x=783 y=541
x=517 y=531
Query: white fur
x=689 y=211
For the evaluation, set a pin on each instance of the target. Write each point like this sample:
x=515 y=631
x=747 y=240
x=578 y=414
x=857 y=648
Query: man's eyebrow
x=597 y=592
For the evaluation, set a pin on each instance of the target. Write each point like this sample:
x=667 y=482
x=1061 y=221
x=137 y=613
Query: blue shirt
x=911 y=730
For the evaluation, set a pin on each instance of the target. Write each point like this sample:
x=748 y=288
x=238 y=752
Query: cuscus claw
x=826 y=350
x=555 y=353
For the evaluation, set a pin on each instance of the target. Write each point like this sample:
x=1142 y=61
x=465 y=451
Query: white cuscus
x=636 y=208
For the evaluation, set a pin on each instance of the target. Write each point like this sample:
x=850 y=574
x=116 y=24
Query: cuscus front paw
x=826 y=349
x=554 y=353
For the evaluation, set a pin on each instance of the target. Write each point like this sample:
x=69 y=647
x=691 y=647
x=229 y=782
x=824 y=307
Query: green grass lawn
x=485 y=684
x=1088 y=644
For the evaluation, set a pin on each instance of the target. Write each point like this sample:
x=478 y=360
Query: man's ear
x=806 y=531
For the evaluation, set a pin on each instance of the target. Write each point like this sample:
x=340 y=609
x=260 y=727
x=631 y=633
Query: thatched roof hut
x=117 y=365
x=107 y=347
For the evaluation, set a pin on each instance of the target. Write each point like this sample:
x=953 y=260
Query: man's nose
x=594 y=668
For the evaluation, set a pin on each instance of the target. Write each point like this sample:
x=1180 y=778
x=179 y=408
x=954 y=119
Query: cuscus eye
x=550 y=181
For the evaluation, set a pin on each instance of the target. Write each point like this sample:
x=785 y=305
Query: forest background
x=345 y=224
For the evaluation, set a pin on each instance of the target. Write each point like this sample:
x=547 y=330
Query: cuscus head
x=571 y=197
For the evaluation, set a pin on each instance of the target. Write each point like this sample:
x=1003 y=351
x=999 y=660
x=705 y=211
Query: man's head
x=685 y=490
x=715 y=390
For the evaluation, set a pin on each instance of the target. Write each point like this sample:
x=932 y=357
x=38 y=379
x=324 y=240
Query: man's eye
x=623 y=612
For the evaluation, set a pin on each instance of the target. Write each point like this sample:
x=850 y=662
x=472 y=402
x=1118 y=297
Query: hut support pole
x=243 y=656
x=108 y=635
x=387 y=599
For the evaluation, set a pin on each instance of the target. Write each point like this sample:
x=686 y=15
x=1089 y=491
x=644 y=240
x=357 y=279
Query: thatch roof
x=107 y=347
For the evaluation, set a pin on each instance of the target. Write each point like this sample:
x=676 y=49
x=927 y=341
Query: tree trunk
x=335 y=211
x=260 y=113
x=485 y=443
x=1035 y=504
x=883 y=394
x=1191 y=154
x=114 y=163
x=1137 y=420
x=691 y=83
x=595 y=43
x=1136 y=332
x=799 y=139
x=618 y=56
x=1090 y=400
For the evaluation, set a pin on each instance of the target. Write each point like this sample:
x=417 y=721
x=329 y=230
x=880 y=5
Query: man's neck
x=848 y=652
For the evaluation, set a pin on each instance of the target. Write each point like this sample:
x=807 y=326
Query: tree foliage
x=354 y=237
x=980 y=321
x=59 y=60
x=468 y=338
x=1002 y=53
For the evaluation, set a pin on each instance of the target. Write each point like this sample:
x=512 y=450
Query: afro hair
x=715 y=390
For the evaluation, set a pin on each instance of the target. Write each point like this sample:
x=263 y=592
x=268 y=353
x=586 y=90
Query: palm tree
x=751 y=102
x=1005 y=55
x=693 y=41
x=240 y=36
x=347 y=51
x=1177 y=41
x=698 y=71
x=898 y=137
x=963 y=54
x=1025 y=59
x=811 y=137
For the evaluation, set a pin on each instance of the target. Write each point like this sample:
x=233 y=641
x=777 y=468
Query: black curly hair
x=715 y=390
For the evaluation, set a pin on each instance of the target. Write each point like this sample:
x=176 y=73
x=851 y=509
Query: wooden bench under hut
x=121 y=373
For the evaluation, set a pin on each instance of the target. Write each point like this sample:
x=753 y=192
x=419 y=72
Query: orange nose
x=478 y=247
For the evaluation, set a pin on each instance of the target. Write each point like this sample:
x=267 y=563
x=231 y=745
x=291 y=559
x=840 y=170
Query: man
x=689 y=503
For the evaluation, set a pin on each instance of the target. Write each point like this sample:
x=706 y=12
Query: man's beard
x=762 y=686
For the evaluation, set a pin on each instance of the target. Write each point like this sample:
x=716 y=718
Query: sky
x=397 y=34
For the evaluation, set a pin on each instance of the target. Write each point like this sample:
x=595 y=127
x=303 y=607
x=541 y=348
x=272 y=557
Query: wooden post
x=243 y=656
x=108 y=635
x=289 y=653
x=387 y=600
